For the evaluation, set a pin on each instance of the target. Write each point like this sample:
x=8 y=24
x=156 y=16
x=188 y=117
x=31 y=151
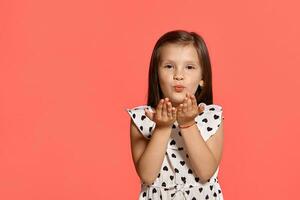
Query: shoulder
x=138 y=109
x=210 y=119
x=142 y=122
x=212 y=109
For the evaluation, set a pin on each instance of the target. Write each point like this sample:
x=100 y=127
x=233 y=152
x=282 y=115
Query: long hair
x=204 y=93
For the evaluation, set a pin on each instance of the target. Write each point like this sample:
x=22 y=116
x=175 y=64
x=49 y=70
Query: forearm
x=202 y=160
x=150 y=162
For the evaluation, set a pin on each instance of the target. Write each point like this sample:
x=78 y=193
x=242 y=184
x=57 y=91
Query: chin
x=178 y=100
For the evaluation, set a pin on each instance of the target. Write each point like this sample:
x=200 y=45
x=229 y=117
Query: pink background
x=68 y=70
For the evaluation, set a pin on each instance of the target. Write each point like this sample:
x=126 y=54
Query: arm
x=147 y=155
x=204 y=156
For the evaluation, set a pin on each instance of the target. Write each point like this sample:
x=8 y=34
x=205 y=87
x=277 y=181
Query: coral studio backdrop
x=68 y=70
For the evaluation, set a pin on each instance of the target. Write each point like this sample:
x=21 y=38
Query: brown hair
x=204 y=93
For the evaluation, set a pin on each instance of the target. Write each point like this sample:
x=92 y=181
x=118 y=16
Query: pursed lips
x=179 y=86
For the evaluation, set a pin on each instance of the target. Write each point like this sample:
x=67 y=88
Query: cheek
x=193 y=85
x=165 y=78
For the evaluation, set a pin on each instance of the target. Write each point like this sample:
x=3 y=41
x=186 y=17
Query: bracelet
x=180 y=126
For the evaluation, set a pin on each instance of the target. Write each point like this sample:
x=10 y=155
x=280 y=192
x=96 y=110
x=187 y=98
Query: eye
x=190 y=67
x=168 y=66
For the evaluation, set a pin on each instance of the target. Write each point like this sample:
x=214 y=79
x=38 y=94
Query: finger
x=200 y=108
x=153 y=110
x=177 y=109
x=169 y=110
x=148 y=114
x=184 y=100
x=180 y=109
x=174 y=113
x=159 y=107
x=185 y=105
x=203 y=107
x=194 y=101
x=189 y=103
x=164 y=109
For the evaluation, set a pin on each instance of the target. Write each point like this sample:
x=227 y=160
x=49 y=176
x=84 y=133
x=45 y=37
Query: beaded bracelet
x=180 y=126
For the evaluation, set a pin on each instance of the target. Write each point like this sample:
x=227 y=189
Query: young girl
x=177 y=139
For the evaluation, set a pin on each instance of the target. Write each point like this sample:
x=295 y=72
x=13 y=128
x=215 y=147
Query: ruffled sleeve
x=210 y=120
x=142 y=122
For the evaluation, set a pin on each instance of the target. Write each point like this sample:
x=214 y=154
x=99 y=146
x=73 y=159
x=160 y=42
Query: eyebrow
x=188 y=61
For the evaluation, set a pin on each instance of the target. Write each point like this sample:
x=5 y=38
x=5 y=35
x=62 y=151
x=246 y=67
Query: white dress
x=176 y=180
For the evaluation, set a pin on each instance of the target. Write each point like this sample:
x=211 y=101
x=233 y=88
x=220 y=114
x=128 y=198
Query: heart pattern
x=176 y=166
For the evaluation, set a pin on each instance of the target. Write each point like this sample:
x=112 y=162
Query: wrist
x=187 y=124
x=163 y=127
x=163 y=131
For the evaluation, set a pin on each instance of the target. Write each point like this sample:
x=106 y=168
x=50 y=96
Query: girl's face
x=179 y=65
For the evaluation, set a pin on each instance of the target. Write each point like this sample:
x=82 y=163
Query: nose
x=178 y=76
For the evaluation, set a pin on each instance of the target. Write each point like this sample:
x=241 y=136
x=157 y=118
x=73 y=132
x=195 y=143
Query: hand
x=188 y=110
x=164 y=115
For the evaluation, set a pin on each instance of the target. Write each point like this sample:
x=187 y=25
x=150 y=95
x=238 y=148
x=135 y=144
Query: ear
x=201 y=83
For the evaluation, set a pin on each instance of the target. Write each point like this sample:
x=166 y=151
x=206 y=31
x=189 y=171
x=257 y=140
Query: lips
x=178 y=88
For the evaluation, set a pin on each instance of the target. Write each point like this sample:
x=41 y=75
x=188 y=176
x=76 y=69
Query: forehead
x=178 y=52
